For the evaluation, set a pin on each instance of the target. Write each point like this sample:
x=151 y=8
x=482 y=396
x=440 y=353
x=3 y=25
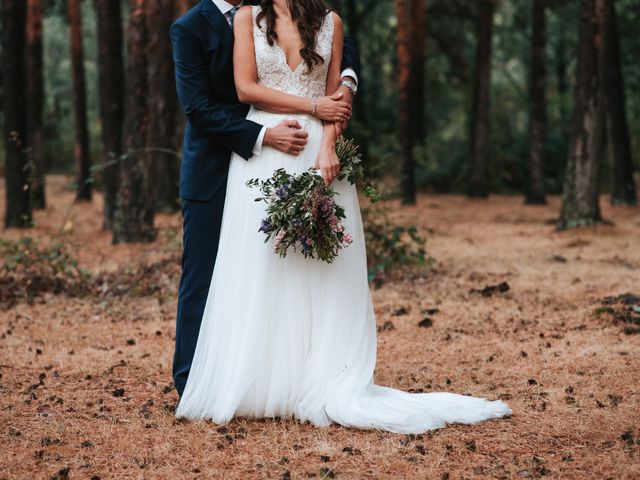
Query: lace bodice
x=274 y=72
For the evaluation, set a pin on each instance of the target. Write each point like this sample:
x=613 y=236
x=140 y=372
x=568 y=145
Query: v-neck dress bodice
x=274 y=70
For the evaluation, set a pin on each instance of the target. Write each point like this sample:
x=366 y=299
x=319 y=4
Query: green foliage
x=59 y=117
x=391 y=246
x=443 y=154
x=352 y=168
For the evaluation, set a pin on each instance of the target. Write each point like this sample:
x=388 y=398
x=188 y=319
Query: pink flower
x=348 y=239
x=280 y=237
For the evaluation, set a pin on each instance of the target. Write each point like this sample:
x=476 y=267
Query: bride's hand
x=333 y=108
x=328 y=163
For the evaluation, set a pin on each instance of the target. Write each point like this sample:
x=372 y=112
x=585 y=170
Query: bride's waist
x=269 y=119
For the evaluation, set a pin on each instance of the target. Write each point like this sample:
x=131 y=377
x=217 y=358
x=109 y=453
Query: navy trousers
x=202 y=222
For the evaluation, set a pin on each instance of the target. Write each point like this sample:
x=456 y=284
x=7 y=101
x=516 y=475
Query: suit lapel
x=218 y=21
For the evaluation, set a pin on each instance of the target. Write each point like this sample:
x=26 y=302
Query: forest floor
x=86 y=392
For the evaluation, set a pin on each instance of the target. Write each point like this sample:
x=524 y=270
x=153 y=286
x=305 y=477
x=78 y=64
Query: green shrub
x=391 y=246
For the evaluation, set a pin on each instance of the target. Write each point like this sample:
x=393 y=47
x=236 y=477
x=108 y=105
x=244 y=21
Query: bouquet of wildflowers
x=302 y=213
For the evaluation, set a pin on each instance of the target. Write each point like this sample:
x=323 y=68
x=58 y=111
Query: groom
x=202 y=41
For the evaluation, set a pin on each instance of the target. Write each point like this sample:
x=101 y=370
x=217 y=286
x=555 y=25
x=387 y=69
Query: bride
x=295 y=337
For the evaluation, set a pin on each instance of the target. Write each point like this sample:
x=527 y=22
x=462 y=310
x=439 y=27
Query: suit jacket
x=202 y=44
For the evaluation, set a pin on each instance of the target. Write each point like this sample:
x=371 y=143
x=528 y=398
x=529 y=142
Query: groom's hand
x=347 y=97
x=287 y=136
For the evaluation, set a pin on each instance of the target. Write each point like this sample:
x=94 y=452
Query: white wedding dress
x=296 y=337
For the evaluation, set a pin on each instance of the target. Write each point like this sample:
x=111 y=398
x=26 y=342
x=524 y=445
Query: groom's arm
x=350 y=71
x=350 y=60
x=198 y=102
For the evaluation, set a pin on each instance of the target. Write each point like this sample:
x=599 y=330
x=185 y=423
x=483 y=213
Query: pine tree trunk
x=134 y=216
x=18 y=194
x=35 y=106
x=538 y=115
x=164 y=106
x=418 y=49
x=112 y=98
x=478 y=183
x=580 y=205
x=403 y=9
x=623 y=189
x=82 y=153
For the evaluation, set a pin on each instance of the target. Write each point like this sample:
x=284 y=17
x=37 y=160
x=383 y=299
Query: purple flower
x=306 y=247
x=265 y=227
x=282 y=192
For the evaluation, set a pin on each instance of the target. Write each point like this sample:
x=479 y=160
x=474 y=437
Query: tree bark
x=580 y=206
x=164 y=107
x=418 y=49
x=404 y=88
x=538 y=115
x=134 y=216
x=411 y=25
x=82 y=153
x=478 y=183
x=35 y=105
x=112 y=99
x=18 y=194
x=623 y=189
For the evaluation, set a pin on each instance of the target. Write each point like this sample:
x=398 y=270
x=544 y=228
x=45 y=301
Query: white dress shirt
x=225 y=8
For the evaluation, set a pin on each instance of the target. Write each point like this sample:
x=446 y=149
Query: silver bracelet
x=315 y=106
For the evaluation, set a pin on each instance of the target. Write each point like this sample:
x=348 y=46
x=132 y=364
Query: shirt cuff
x=349 y=72
x=257 y=148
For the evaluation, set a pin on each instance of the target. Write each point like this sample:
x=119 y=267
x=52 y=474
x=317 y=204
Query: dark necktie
x=232 y=14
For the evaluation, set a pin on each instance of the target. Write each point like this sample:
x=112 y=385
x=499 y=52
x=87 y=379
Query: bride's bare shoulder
x=337 y=20
x=338 y=26
x=245 y=15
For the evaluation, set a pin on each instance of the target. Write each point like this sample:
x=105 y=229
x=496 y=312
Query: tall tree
x=623 y=189
x=418 y=50
x=478 y=184
x=112 y=98
x=134 y=216
x=163 y=105
x=580 y=204
x=35 y=105
x=18 y=195
x=411 y=25
x=535 y=194
x=82 y=154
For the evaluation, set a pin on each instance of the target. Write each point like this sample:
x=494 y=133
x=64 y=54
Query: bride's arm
x=328 y=162
x=269 y=99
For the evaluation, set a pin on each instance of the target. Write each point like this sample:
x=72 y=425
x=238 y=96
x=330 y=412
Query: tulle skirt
x=295 y=337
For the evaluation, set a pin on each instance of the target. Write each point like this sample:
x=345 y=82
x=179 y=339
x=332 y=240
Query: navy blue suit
x=216 y=126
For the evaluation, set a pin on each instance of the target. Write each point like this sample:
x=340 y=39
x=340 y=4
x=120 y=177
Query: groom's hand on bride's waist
x=288 y=137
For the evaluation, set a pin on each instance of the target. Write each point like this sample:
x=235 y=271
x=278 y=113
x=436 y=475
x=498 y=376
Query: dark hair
x=308 y=15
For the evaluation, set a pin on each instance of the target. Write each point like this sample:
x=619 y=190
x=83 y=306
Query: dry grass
x=86 y=382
